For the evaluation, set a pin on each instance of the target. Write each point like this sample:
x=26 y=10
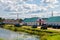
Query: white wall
x=53 y=23
x=31 y=23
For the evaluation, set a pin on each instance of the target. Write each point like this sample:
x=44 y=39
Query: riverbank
x=43 y=34
x=6 y=34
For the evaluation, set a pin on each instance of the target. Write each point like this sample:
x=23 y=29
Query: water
x=10 y=35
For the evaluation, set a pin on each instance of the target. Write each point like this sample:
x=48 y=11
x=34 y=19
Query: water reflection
x=9 y=35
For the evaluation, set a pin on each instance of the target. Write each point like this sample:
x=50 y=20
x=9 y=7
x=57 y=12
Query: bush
x=25 y=24
x=17 y=25
x=56 y=26
x=34 y=26
x=1 y=26
x=15 y=29
x=2 y=23
x=12 y=28
x=49 y=25
x=44 y=26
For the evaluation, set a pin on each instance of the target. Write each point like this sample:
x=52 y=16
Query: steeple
x=17 y=16
x=52 y=14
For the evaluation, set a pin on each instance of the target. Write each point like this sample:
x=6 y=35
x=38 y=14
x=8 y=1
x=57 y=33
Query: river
x=10 y=35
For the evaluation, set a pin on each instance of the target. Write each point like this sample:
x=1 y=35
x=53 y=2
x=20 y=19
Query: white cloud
x=52 y=6
x=52 y=1
x=13 y=5
x=22 y=7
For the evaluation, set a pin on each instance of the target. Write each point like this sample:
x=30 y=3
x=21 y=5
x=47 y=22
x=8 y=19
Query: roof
x=54 y=19
x=45 y=19
x=34 y=19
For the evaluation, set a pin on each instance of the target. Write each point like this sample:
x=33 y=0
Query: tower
x=17 y=16
x=52 y=14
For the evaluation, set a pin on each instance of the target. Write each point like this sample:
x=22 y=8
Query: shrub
x=56 y=26
x=44 y=26
x=2 y=23
x=34 y=26
x=12 y=28
x=48 y=25
x=17 y=25
x=1 y=26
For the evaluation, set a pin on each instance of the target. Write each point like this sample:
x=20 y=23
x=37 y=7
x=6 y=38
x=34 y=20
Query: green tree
x=1 y=19
x=20 y=20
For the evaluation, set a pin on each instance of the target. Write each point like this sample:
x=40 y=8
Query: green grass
x=1 y=39
x=43 y=34
x=56 y=37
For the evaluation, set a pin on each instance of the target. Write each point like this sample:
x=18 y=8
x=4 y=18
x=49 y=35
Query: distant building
x=33 y=21
x=53 y=20
x=10 y=21
x=26 y=21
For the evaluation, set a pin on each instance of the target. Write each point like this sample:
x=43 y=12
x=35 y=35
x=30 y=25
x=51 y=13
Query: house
x=33 y=21
x=45 y=20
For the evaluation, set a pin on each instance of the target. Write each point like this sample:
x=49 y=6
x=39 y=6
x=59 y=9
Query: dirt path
x=53 y=29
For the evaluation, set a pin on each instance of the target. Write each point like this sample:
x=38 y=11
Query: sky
x=29 y=8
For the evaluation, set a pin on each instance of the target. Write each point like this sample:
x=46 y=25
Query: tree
x=1 y=19
x=20 y=20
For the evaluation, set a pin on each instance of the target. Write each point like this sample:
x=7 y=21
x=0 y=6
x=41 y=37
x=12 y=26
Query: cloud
x=52 y=6
x=21 y=6
x=52 y=1
x=12 y=4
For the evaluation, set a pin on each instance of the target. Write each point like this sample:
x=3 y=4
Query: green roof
x=54 y=19
x=45 y=19
x=34 y=19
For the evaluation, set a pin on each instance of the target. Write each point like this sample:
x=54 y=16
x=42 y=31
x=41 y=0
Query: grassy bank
x=43 y=34
x=1 y=39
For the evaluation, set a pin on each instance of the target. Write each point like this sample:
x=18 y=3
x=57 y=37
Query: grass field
x=43 y=34
x=1 y=39
x=56 y=37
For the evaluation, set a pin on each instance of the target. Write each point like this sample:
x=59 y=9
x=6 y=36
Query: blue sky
x=29 y=8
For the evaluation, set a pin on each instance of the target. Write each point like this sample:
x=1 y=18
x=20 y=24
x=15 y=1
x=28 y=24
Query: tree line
x=2 y=19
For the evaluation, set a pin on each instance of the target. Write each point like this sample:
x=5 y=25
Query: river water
x=10 y=35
